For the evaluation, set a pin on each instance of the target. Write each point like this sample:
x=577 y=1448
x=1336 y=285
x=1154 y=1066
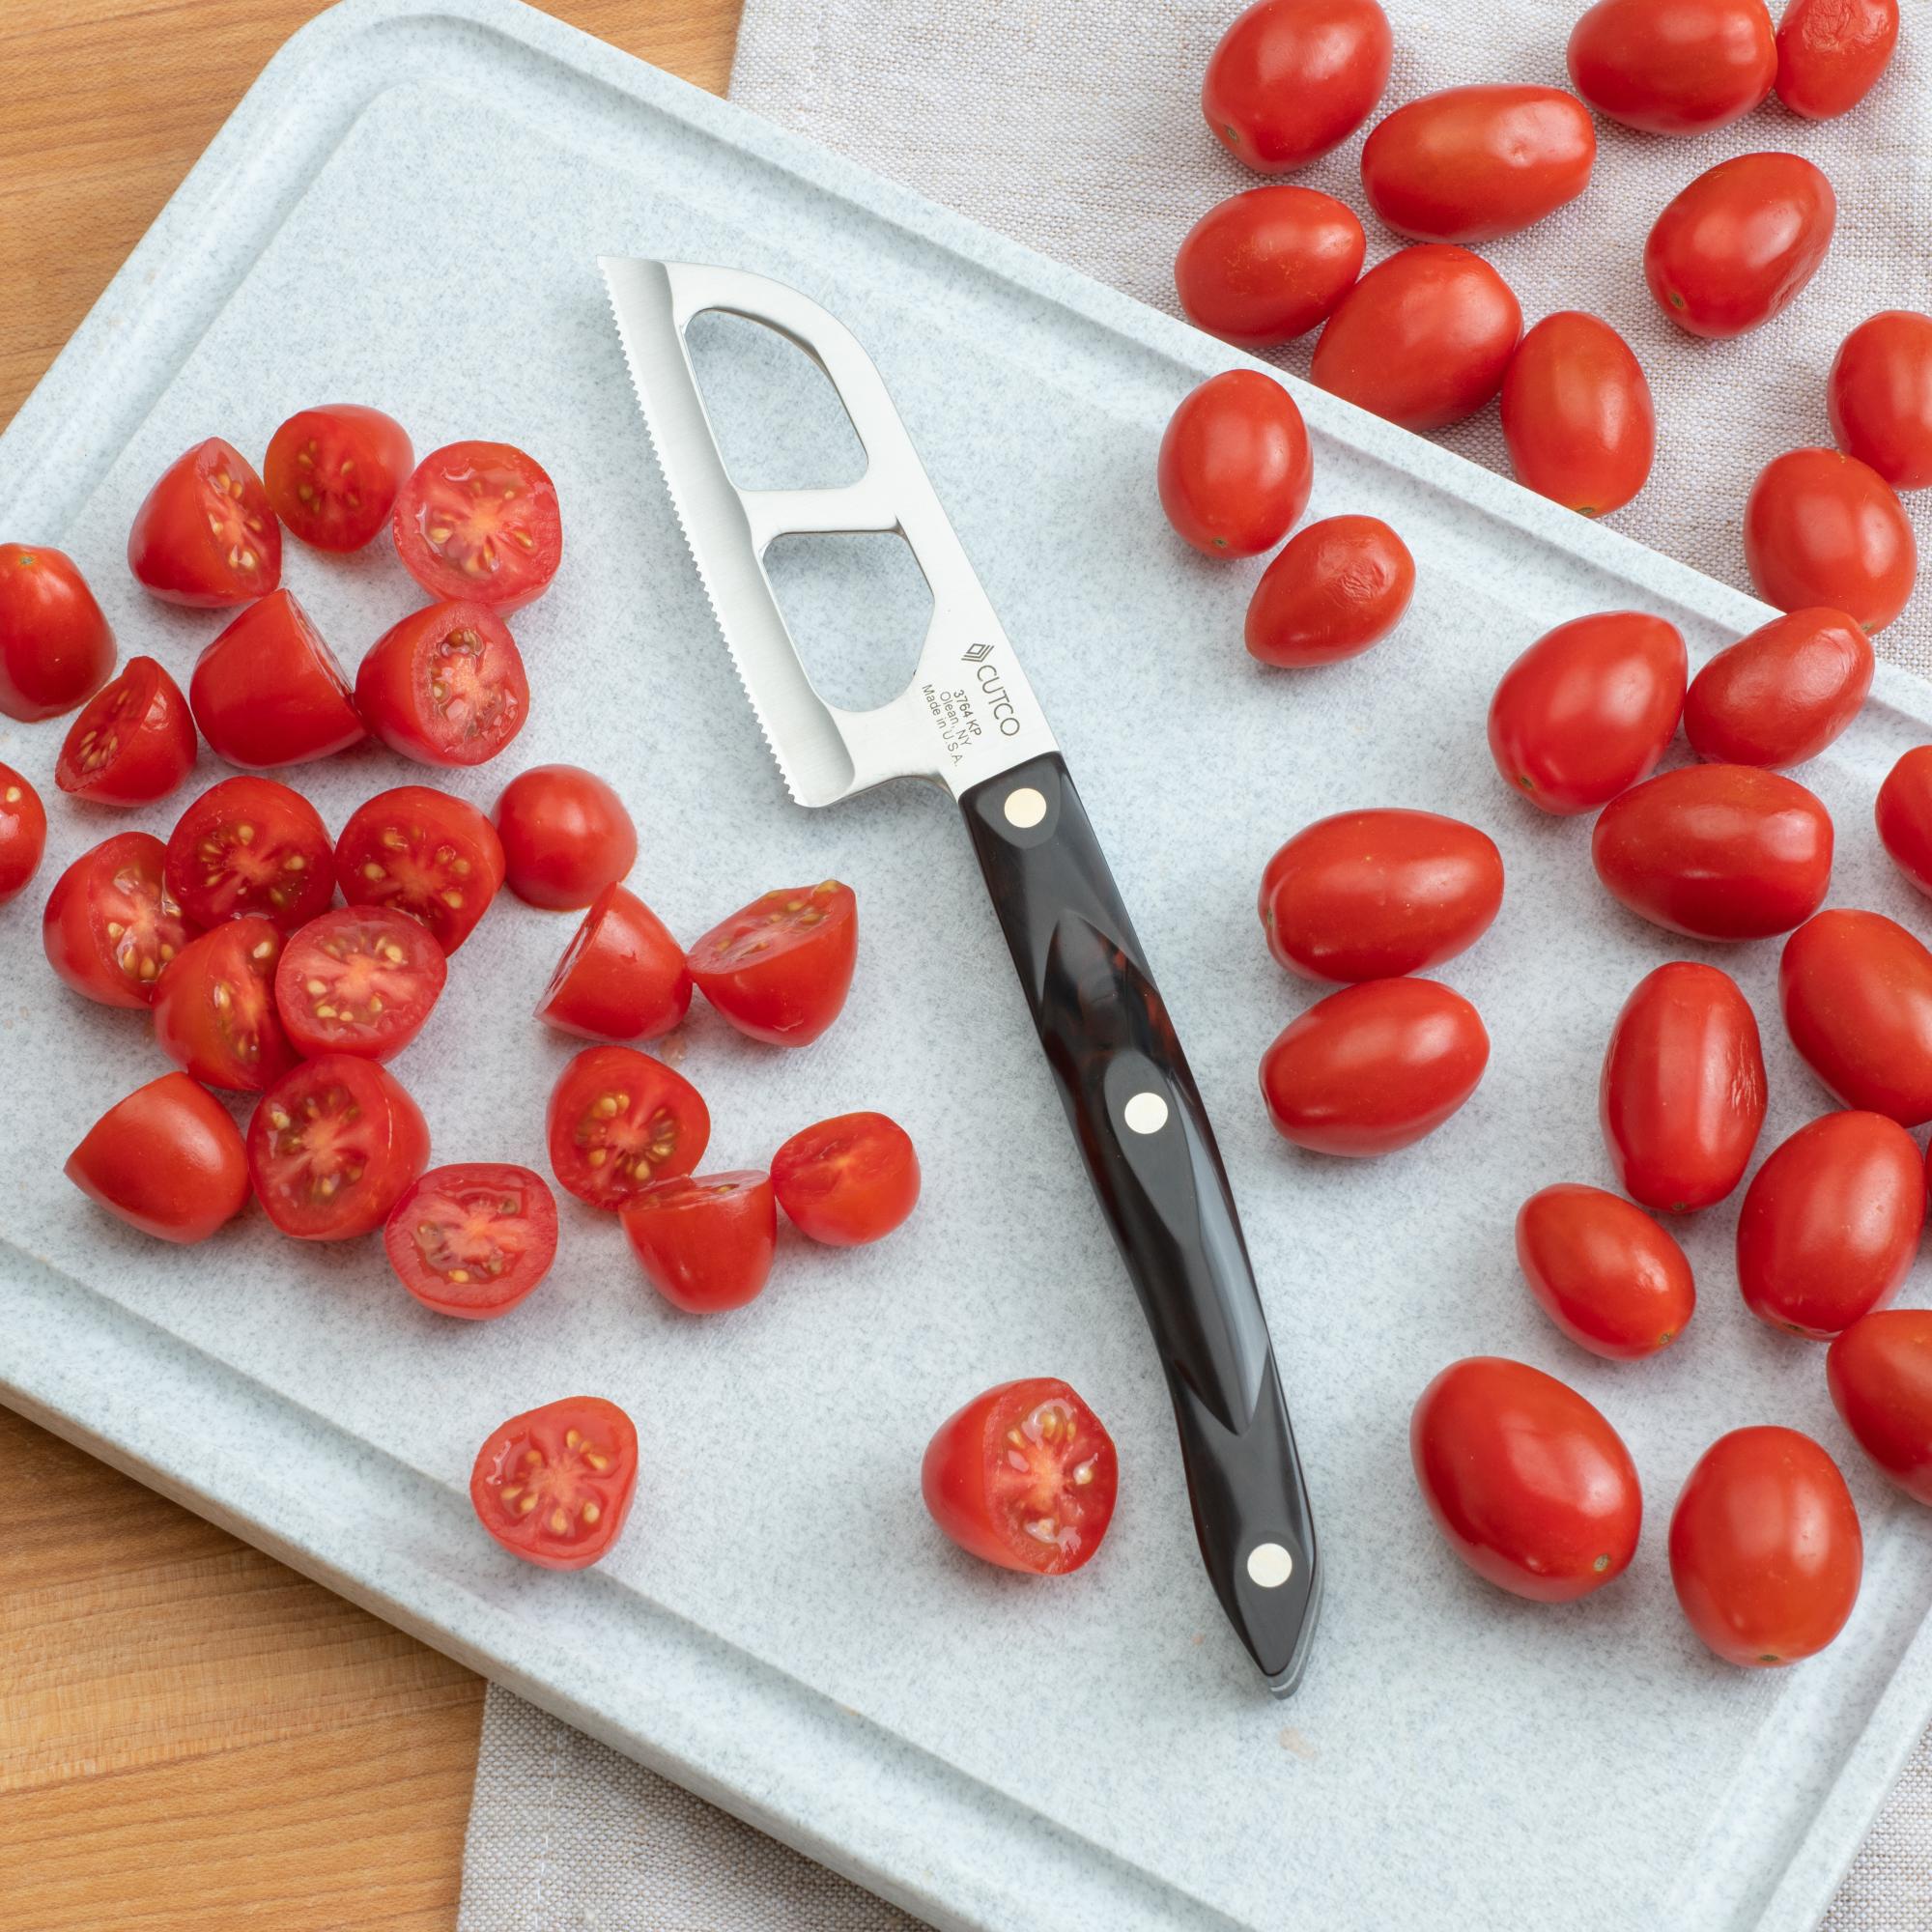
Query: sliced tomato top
x=622 y=975
x=425 y=853
x=472 y=1240
x=480 y=520
x=446 y=686
x=166 y=1159
x=704 y=1240
x=847 y=1181
x=23 y=834
x=618 y=1121
x=132 y=743
x=269 y=691
x=332 y=473
x=780 y=968
x=56 y=648
x=111 y=924
x=205 y=534
x=249 y=846
x=359 y=979
x=554 y=1485
x=214 y=1014
x=332 y=1146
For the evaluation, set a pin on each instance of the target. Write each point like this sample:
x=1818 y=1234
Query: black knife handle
x=1150 y=1155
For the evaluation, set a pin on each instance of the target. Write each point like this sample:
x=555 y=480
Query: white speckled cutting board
x=405 y=212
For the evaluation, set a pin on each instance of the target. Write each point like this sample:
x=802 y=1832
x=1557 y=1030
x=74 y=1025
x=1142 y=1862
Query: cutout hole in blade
x=858 y=607
x=779 y=422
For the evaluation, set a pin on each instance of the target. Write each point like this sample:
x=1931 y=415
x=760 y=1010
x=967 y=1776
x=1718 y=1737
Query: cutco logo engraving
x=1004 y=714
x=977 y=654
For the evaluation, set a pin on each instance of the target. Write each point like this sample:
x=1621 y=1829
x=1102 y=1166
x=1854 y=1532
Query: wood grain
x=191 y=1736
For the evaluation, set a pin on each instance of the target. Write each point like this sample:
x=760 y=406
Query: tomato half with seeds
x=1604 y=1271
x=1264 y=267
x=1337 y=588
x=444 y=686
x=566 y=835
x=1782 y=694
x=1832 y=52
x=554 y=1484
x=618 y=1121
x=1857 y=993
x=847 y=1181
x=214 y=1009
x=1235 y=471
x=1821 y=527
x=780 y=968
x=425 y=853
x=1674 y=67
x=133 y=743
x=251 y=846
x=332 y=473
x=1578 y=416
x=359 y=979
x=1024 y=1476
x=23 y=833
x=478 y=522
x=269 y=691
x=472 y=1240
x=167 y=1161
x=1292 y=78
x=205 y=535
x=1904 y=815
x=333 y=1147
x=1879 y=396
x=111 y=924
x=1879 y=1375
x=704 y=1240
x=622 y=975
x=56 y=649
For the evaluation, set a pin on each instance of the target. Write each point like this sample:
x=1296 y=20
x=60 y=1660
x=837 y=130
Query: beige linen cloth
x=1074 y=125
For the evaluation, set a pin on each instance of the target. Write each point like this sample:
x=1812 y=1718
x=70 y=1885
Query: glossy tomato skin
x=268 y=691
x=566 y=835
x=205 y=535
x=1526 y=1481
x=1587 y=710
x=166 y=1160
x=332 y=473
x=1268 y=265
x=425 y=853
x=1024 y=1476
x=446 y=686
x=1379 y=893
x=23 y=833
x=848 y=1180
x=111 y=924
x=472 y=1240
x=1337 y=588
x=1578 y=416
x=479 y=523
x=215 y=1008
x=251 y=847
x=618 y=1121
x=780 y=968
x=554 y=1484
x=1782 y=694
x=1904 y=815
x=622 y=976
x=56 y=649
x=1821 y=527
x=1674 y=67
x=1422 y=340
x=1292 y=78
x=1604 y=1271
x=1736 y=247
x=333 y=1147
x=1374 y=1067
x=1682 y=1096
x=133 y=742
x=1235 y=471
x=704 y=1240
x=1857 y=992
x=1879 y=396
x=1832 y=52
x=1471 y=163
x=1716 y=851
x=361 y=980
x=1879 y=1375
x=1765 y=1552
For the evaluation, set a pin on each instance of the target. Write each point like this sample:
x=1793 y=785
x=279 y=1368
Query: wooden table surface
x=193 y=1738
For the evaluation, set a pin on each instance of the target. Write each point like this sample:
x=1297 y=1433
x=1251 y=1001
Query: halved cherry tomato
x=622 y=975
x=167 y=1161
x=847 y=1181
x=1292 y=78
x=554 y=1485
x=618 y=1121
x=1264 y=267
x=1674 y=67
x=205 y=534
x=444 y=686
x=332 y=473
x=473 y=1240
x=133 y=743
x=1529 y=1484
x=1423 y=339
x=1782 y=694
x=333 y=1147
x=1023 y=1476
x=269 y=691
x=704 y=1240
x=1337 y=588
x=425 y=853
x=23 y=833
x=1682 y=1096
x=1234 y=470
x=1374 y=1067
x=1904 y=814
x=1765 y=1552
x=1820 y=528
x=478 y=522
x=566 y=835
x=1857 y=993
x=1736 y=247
x=1588 y=709
x=1470 y=163
x=250 y=846
x=111 y=924
x=56 y=649
x=1716 y=851
x=1879 y=1374
x=780 y=968
x=1376 y=895
x=214 y=1014
x=361 y=980
x=1832 y=52
x=1578 y=416
x=1879 y=397
x=1604 y=1271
